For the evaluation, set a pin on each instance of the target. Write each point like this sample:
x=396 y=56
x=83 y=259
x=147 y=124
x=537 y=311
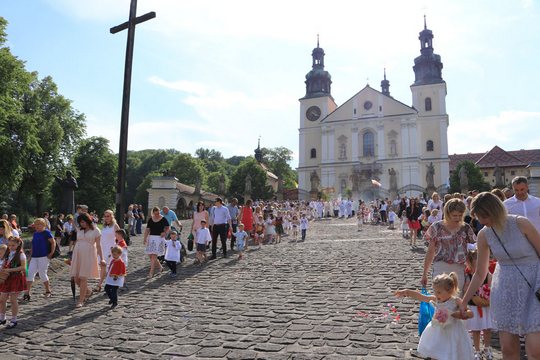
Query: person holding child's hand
x=445 y=337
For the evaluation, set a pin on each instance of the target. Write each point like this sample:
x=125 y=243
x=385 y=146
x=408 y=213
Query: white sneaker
x=487 y=353
x=477 y=355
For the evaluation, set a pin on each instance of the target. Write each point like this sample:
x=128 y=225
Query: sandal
x=26 y=297
x=47 y=294
x=79 y=305
x=90 y=293
x=97 y=288
x=11 y=324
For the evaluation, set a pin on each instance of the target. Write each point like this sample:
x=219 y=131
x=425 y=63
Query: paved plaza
x=330 y=297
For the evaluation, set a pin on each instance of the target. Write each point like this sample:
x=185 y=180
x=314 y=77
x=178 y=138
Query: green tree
x=18 y=128
x=277 y=160
x=474 y=175
x=97 y=167
x=188 y=169
x=258 y=180
x=139 y=164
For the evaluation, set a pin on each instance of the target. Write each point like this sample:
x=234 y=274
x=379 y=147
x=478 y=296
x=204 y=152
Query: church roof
x=268 y=172
x=190 y=190
x=497 y=157
x=390 y=106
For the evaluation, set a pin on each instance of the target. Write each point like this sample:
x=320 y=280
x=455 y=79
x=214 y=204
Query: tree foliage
x=474 y=175
x=97 y=167
x=258 y=181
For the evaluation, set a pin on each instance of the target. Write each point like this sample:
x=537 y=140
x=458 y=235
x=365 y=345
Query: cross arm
x=138 y=20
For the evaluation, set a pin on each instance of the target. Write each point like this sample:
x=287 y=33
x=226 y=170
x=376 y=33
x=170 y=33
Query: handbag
x=3 y=276
x=537 y=291
x=480 y=301
x=56 y=250
x=425 y=314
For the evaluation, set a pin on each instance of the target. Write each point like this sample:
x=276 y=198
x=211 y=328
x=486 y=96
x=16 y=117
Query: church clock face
x=313 y=113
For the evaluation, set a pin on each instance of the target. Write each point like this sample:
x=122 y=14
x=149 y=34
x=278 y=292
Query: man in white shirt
x=220 y=218
x=522 y=203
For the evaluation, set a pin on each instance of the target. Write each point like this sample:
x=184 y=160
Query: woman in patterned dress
x=447 y=243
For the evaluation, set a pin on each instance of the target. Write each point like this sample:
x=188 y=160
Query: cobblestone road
x=325 y=298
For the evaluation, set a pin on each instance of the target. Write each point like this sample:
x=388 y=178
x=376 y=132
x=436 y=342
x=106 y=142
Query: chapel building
x=373 y=145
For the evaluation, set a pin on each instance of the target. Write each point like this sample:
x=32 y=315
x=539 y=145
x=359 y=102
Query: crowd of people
x=482 y=255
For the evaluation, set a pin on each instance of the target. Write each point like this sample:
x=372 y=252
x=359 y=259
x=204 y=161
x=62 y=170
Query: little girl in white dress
x=445 y=337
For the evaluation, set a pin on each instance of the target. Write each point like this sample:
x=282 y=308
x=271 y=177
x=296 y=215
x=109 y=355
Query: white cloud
x=510 y=130
x=191 y=87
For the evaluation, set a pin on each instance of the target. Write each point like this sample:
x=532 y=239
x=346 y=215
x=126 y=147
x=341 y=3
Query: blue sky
x=219 y=74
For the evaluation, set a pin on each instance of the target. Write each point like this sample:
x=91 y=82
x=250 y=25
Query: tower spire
x=385 y=85
x=318 y=80
x=428 y=66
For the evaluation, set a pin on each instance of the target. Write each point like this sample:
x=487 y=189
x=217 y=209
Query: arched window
x=428 y=104
x=313 y=153
x=429 y=145
x=161 y=201
x=369 y=144
x=393 y=147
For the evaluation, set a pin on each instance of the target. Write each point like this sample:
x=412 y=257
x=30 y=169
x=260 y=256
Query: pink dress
x=197 y=217
x=84 y=262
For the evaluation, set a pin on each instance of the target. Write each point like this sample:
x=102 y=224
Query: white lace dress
x=447 y=340
x=514 y=307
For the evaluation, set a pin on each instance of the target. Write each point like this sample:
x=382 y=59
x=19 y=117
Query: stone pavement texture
x=325 y=298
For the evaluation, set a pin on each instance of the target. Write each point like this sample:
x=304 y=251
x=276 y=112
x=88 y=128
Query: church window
x=428 y=104
x=313 y=153
x=342 y=151
x=354 y=111
x=343 y=186
x=393 y=147
x=429 y=145
x=485 y=173
x=369 y=144
x=512 y=173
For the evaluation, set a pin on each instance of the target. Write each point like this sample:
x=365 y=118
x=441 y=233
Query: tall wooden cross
x=122 y=153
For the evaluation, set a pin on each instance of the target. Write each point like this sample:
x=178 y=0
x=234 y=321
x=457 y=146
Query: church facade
x=373 y=145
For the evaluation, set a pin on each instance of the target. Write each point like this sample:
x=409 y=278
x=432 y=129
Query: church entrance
x=367 y=196
x=181 y=209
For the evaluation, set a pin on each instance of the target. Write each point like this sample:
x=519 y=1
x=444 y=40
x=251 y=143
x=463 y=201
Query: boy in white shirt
x=172 y=253
x=203 y=239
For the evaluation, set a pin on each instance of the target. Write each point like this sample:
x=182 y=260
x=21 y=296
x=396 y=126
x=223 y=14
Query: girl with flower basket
x=445 y=337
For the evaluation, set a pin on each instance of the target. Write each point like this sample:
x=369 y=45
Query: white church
x=374 y=145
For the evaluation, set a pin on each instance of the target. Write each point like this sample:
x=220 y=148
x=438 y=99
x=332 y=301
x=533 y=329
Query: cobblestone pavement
x=325 y=298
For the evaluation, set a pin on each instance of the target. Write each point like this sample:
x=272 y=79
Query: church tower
x=314 y=106
x=429 y=99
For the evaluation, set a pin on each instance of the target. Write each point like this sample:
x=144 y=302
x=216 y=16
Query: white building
x=373 y=136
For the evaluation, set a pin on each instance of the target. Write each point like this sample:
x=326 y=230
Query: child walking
x=360 y=220
x=203 y=238
x=392 y=216
x=481 y=322
x=445 y=337
x=241 y=238
x=304 y=226
x=15 y=266
x=295 y=223
x=172 y=252
x=404 y=225
x=115 y=276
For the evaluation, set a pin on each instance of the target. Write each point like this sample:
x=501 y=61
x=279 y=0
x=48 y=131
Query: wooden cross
x=122 y=153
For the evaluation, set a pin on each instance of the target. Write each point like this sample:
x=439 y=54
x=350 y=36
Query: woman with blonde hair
x=6 y=231
x=515 y=287
x=447 y=243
